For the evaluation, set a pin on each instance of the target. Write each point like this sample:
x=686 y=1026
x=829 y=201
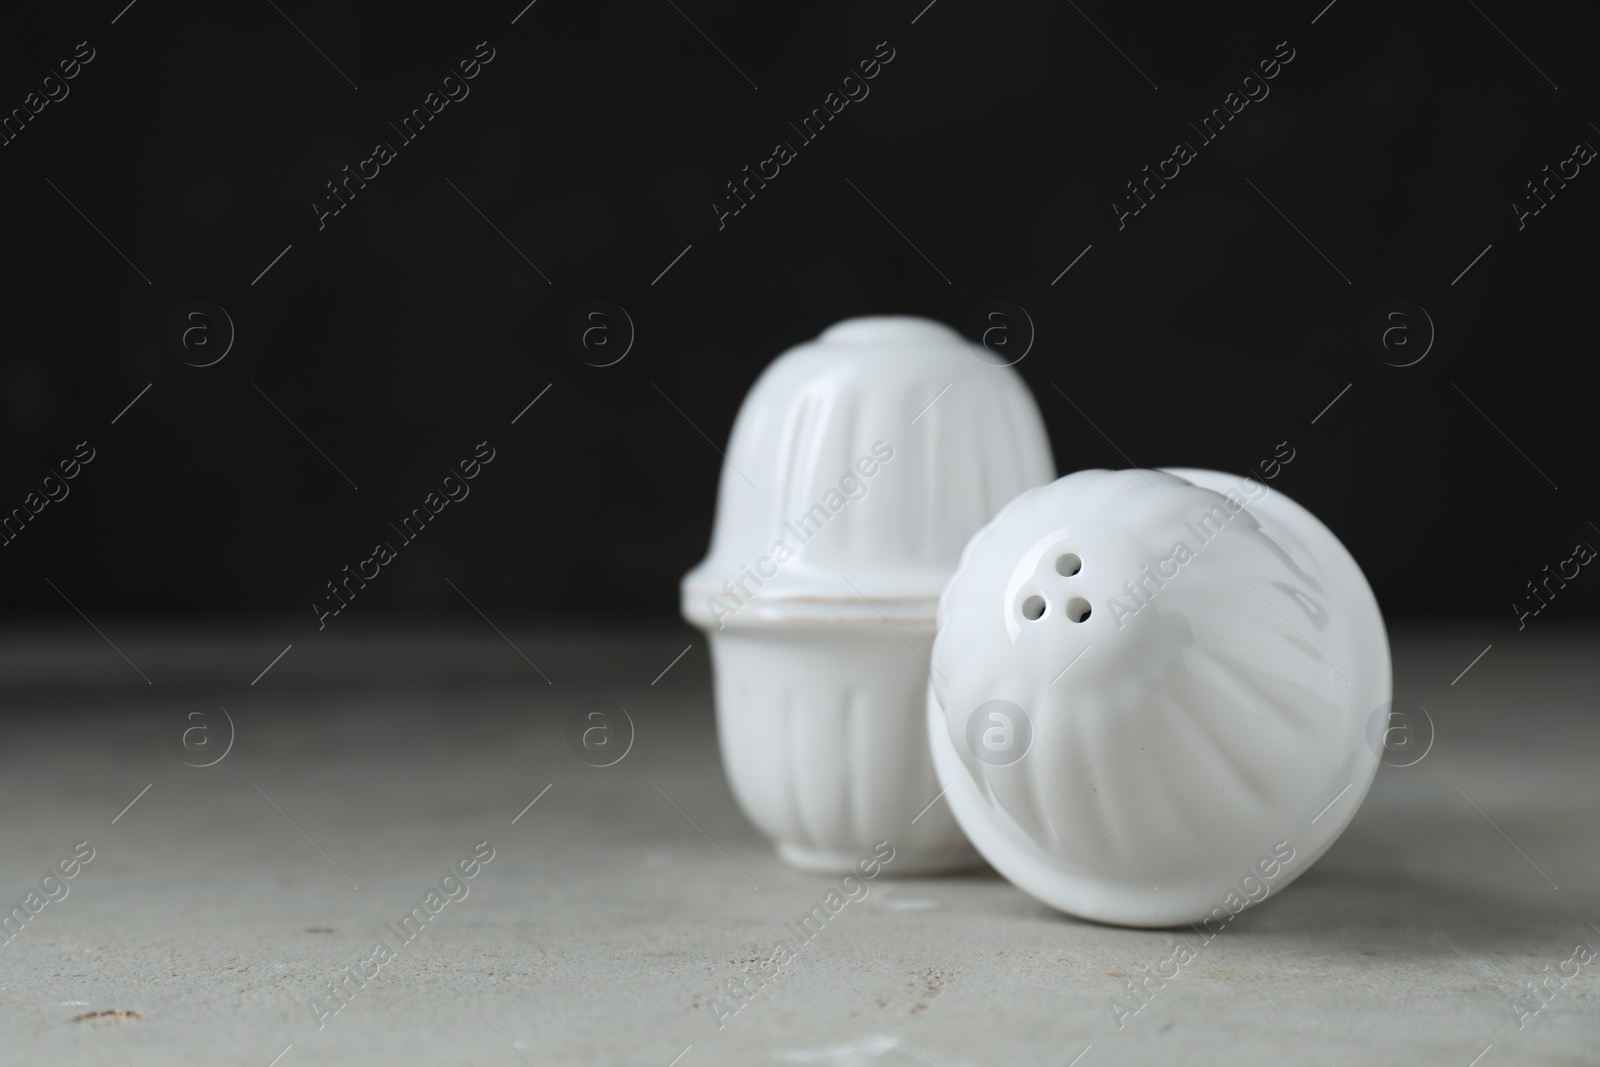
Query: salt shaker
x=1152 y=693
x=859 y=465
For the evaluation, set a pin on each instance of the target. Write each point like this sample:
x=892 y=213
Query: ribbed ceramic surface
x=870 y=455
x=824 y=739
x=1214 y=697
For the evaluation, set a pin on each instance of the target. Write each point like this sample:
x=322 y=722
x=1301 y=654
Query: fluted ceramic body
x=823 y=741
x=858 y=466
x=1191 y=664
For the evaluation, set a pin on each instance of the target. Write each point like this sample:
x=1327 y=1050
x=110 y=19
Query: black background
x=408 y=329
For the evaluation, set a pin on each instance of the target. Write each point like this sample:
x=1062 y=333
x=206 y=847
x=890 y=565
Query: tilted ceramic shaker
x=1151 y=693
x=859 y=465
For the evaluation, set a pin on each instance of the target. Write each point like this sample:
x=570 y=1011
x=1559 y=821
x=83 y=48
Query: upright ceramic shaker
x=860 y=464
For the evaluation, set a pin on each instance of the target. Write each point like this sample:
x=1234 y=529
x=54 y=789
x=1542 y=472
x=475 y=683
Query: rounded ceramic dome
x=870 y=455
x=1150 y=693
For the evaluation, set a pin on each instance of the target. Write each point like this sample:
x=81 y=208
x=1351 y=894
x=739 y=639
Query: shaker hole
x=1033 y=607
x=1068 y=564
x=1077 y=609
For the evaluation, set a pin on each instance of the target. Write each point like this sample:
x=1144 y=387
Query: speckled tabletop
x=587 y=914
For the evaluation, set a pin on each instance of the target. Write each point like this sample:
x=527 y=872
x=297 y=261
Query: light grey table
x=367 y=762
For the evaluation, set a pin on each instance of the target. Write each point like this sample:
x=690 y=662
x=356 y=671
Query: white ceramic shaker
x=1153 y=693
x=859 y=465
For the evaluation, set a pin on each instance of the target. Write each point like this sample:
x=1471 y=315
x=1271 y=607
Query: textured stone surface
x=608 y=919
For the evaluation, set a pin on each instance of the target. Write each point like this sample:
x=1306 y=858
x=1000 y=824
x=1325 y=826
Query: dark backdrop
x=388 y=340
